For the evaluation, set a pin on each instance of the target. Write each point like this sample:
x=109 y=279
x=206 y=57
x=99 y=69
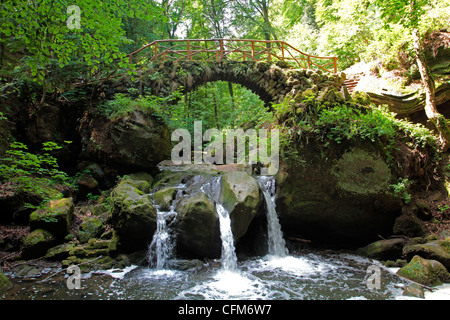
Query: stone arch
x=271 y=81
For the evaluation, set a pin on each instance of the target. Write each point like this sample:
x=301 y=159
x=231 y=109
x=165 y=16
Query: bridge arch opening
x=222 y=104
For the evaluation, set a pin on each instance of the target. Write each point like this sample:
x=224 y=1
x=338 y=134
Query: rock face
x=137 y=141
x=133 y=214
x=241 y=196
x=426 y=272
x=36 y=244
x=199 y=229
x=197 y=222
x=383 y=249
x=437 y=250
x=55 y=218
x=340 y=195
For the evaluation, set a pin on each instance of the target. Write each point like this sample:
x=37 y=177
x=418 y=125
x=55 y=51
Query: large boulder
x=56 y=217
x=36 y=244
x=409 y=226
x=426 y=272
x=338 y=194
x=138 y=140
x=90 y=228
x=437 y=250
x=241 y=196
x=389 y=249
x=5 y=284
x=198 y=226
x=133 y=214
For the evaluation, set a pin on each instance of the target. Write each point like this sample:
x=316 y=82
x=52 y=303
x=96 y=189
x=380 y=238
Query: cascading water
x=229 y=259
x=161 y=249
x=276 y=243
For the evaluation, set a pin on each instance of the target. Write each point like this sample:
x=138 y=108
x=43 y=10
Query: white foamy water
x=276 y=243
x=161 y=249
x=229 y=259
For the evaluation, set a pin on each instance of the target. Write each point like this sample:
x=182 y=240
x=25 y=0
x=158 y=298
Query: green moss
x=164 y=197
x=4 y=282
x=361 y=172
x=420 y=270
x=36 y=244
x=91 y=227
x=55 y=217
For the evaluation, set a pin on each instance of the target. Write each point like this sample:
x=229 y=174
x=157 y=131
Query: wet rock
x=414 y=290
x=389 y=249
x=423 y=271
x=185 y=264
x=241 y=196
x=198 y=226
x=437 y=250
x=133 y=214
x=28 y=271
x=163 y=198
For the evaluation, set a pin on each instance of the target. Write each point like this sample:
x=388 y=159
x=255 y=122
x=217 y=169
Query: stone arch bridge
x=271 y=69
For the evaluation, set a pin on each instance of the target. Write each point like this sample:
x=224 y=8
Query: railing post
x=282 y=51
x=309 y=62
x=221 y=49
x=189 y=50
x=335 y=64
x=253 y=50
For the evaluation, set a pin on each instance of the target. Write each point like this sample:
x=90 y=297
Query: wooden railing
x=231 y=49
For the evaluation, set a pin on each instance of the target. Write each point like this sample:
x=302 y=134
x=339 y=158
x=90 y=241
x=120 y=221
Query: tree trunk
x=431 y=111
x=230 y=90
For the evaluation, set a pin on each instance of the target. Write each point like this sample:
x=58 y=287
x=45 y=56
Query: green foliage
x=54 y=55
x=339 y=122
x=401 y=189
x=36 y=175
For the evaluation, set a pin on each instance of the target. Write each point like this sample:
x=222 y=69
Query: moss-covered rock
x=198 y=226
x=164 y=197
x=241 y=196
x=437 y=250
x=36 y=244
x=138 y=140
x=5 y=284
x=414 y=290
x=389 y=249
x=426 y=272
x=133 y=215
x=338 y=194
x=141 y=180
x=91 y=227
x=60 y=252
x=408 y=226
x=56 y=217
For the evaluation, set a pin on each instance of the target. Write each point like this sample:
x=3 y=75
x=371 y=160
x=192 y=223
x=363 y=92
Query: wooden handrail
x=187 y=49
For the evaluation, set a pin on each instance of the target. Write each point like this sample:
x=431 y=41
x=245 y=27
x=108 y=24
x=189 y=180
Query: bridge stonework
x=271 y=81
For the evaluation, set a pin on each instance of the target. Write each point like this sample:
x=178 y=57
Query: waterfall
x=276 y=243
x=161 y=249
x=229 y=259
